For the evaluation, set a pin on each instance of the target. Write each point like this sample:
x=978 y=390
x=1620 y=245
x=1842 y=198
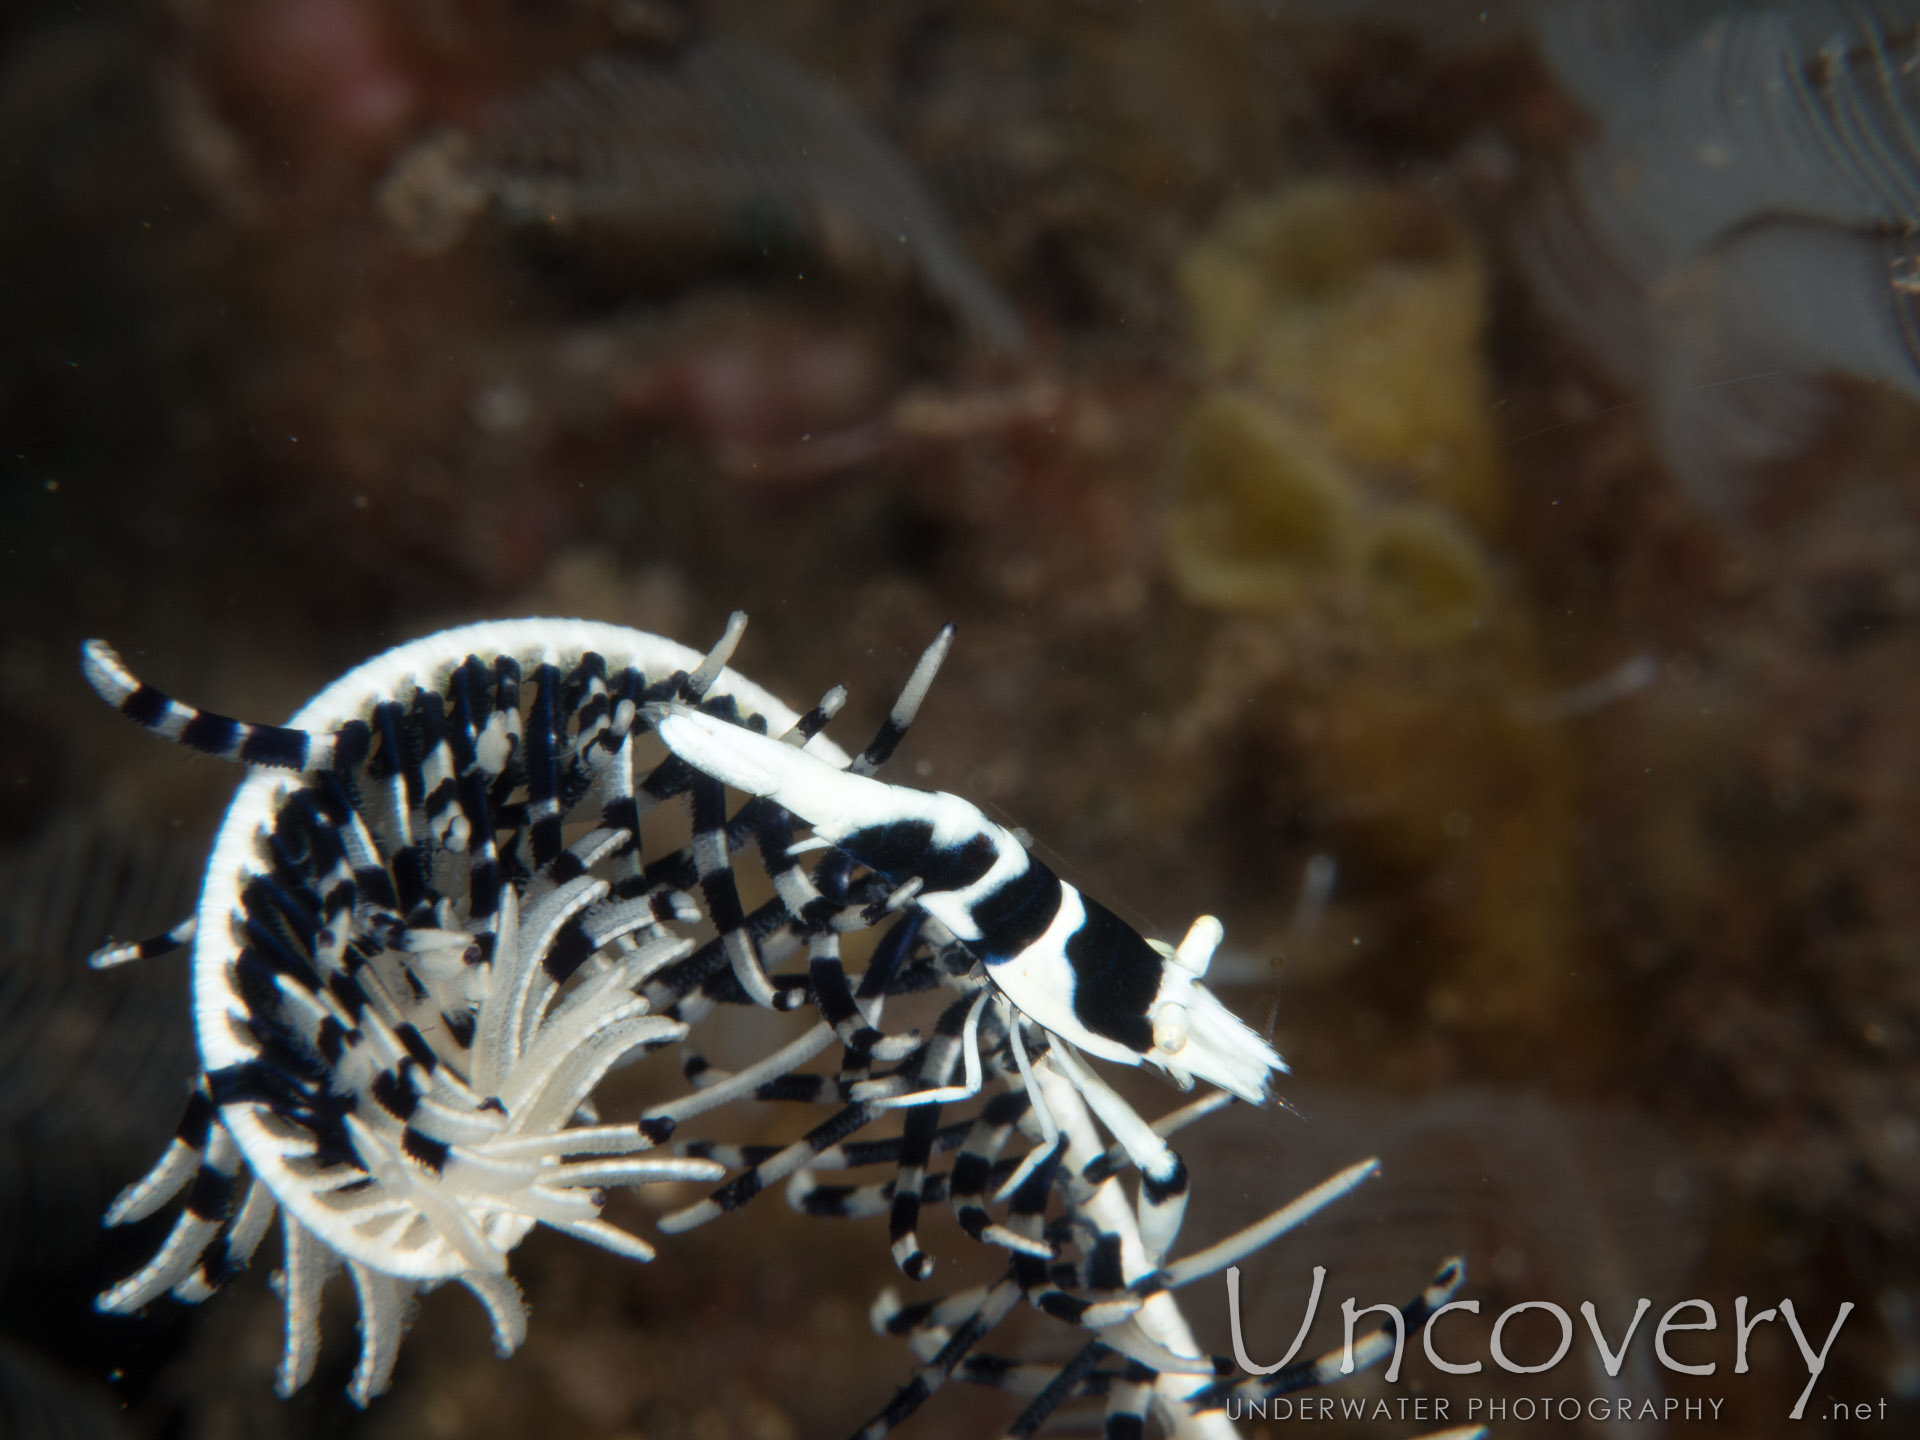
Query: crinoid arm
x=407 y=983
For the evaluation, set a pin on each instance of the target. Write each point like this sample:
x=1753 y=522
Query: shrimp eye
x=1170 y=1028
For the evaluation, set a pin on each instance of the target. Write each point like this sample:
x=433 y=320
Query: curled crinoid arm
x=917 y=1137
x=427 y=932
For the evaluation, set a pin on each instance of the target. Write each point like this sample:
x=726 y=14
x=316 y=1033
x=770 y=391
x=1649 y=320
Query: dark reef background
x=1400 y=485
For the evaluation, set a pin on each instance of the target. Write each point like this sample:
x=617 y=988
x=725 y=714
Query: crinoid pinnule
x=411 y=968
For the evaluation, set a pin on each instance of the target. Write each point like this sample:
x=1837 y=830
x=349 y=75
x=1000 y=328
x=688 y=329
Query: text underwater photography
x=1472 y=1409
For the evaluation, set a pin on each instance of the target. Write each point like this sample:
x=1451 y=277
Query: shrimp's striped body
x=1062 y=958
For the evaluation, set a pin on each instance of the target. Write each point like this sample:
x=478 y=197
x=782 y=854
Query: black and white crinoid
x=406 y=983
x=430 y=927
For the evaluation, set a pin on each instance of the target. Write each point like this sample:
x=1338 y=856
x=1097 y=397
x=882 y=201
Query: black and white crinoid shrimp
x=1058 y=958
x=406 y=983
x=1062 y=958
